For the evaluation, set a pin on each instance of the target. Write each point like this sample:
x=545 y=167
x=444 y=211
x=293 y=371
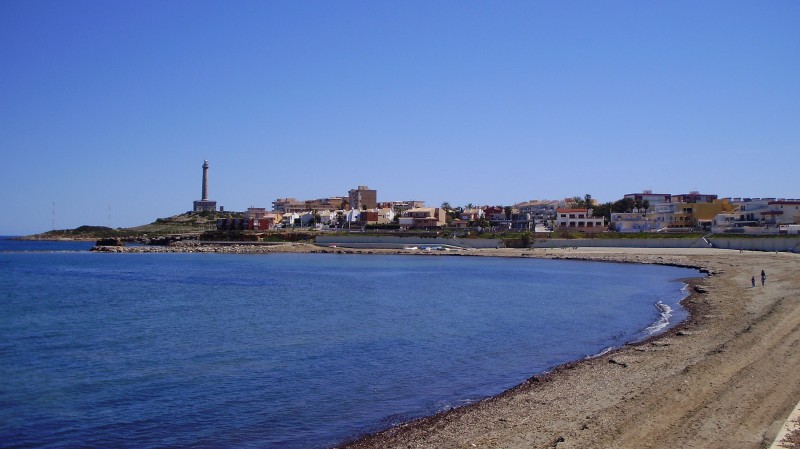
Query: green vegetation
x=606 y=209
x=581 y=203
x=187 y=223
x=85 y=233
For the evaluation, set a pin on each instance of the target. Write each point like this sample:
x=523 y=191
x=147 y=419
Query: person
x=753 y=281
x=763 y=278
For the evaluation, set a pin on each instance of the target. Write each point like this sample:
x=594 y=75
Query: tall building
x=204 y=204
x=363 y=198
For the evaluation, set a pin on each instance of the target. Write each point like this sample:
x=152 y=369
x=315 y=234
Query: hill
x=186 y=223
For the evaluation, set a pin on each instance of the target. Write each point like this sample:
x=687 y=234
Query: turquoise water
x=291 y=350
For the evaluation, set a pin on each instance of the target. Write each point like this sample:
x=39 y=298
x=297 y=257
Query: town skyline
x=640 y=212
x=206 y=186
x=107 y=109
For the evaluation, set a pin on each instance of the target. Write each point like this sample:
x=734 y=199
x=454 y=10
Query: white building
x=750 y=209
x=327 y=217
x=580 y=220
x=386 y=215
x=473 y=214
x=306 y=218
x=664 y=215
x=288 y=219
x=782 y=212
x=351 y=216
x=536 y=211
x=758 y=216
x=653 y=199
x=789 y=229
x=632 y=222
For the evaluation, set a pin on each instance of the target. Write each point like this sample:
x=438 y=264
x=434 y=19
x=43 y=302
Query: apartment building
x=579 y=220
x=363 y=198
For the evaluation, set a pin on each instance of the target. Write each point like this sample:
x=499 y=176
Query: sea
x=290 y=350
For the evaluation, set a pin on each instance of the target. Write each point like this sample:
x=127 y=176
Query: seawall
x=788 y=244
x=391 y=242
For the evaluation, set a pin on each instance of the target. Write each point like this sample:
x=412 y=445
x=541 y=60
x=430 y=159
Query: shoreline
x=702 y=383
x=727 y=376
x=397 y=436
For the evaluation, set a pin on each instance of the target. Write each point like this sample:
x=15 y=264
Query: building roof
x=573 y=210
x=648 y=194
x=785 y=202
x=538 y=203
x=422 y=209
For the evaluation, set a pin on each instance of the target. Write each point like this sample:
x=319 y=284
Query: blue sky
x=116 y=104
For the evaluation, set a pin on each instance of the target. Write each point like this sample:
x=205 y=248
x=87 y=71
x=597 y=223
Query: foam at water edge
x=663 y=320
x=601 y=353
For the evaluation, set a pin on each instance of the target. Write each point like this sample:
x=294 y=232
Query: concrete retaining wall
x=621 y=243
x=748 y=244
x=791 y=244
x=390 y=242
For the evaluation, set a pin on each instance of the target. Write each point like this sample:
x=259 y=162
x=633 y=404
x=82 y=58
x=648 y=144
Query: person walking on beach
x=753 y=281
x=763 y=278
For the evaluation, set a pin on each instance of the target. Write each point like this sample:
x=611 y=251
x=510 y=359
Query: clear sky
x=113 y=106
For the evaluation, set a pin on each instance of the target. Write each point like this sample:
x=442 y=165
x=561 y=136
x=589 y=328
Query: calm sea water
x=289 y=350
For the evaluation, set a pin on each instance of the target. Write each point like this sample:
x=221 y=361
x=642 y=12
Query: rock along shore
x=727 y=377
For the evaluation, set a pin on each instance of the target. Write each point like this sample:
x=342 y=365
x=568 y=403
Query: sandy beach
x=728 y=377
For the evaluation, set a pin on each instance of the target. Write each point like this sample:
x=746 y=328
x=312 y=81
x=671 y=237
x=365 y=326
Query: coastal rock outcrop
x=109 y=241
